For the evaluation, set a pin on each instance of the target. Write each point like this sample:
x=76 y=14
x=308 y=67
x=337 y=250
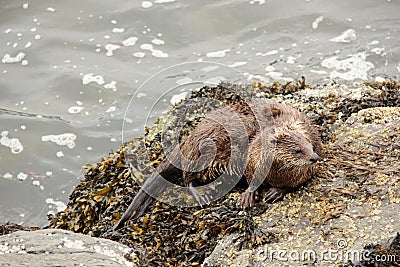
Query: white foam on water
x=345 y=37
x=60 y=206
x=111 y=48
x=111 y=109
x=9 y=59
x=139 y=54
x=237 y=64
x=278 y=76
x=154 y=52
x=215 y=54
x=25 y=6
x=146 y=4
x=22 y=176
x=374 y=42
x=175 y=99
x=260 y=2
x=131 y=41
x=75 y=109
x=118 y=30
x=269 y=68
x=320 y=72
x=90 y=77
x=252 y=77
x=159 y=53
x=163 y=1
x=111 y=85
x=355 y=66
x=60 y=154
x=158 y=41
x=66 y=139
x=140 y=95
x=316 y=22
x=269 y=53
x=378 y=50
x=7 y=175
x=50 y=9
x=291 y=60
x=12 y=143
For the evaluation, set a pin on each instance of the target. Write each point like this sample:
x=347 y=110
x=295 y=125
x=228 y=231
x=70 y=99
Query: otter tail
x=137 y=207
x=155 y=185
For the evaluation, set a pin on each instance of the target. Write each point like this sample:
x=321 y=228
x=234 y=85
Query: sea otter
x=271 y=145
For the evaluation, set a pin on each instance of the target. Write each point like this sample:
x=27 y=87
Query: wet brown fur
x=294 y=141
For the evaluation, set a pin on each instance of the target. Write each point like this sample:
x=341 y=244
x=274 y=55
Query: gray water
x=70 y=68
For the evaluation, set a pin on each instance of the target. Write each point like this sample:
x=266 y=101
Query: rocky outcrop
x=56 y=247
x=354 y=199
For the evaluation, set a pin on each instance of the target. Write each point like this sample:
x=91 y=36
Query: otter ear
x=280 y=136
x=275 y=111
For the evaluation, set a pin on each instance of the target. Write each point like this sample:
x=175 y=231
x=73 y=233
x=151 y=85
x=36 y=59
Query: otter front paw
x=201 y=200
x=248 y=199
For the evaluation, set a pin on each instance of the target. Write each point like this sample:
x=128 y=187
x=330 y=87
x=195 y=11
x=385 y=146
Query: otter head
x=293 y=150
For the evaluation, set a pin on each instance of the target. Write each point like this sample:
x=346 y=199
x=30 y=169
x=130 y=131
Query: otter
x=270 y=145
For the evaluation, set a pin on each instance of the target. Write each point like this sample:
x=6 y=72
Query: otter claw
x=203 y=201
x=248 y=199
x=275 y=194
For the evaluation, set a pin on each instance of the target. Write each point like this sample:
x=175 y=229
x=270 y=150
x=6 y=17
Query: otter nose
x=314 y=157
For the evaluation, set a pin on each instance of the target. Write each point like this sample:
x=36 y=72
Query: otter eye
x=297 y=150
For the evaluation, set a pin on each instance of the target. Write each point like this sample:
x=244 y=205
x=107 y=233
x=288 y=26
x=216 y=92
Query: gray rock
x=55 y=247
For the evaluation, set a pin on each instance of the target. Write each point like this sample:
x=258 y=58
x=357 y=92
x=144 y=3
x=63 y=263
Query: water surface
x=69 y=69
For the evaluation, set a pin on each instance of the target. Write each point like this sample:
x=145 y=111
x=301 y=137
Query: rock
x=55 y=247
x=354 y=200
